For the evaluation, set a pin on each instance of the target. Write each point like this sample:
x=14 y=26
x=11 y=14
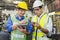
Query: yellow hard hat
x=22 y=5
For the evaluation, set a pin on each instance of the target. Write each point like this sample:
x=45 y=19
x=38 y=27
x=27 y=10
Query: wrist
x=40 y=27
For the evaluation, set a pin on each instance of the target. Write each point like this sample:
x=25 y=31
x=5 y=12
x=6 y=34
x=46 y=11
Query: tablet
x=23 y=26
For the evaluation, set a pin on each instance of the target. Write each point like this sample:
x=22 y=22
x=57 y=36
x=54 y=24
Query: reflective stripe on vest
x=42 y=23
x=16 y=34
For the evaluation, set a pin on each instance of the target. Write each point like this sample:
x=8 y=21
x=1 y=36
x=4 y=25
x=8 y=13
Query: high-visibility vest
x=41 y=23
x=16 y=34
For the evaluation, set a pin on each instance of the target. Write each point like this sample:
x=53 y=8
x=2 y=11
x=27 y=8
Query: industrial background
x=8 y=7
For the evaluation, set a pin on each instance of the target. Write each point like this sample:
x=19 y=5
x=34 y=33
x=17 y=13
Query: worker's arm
x=27 y=29
x=22 y=30
x=10 y=25
x=39 y=27
x=46 y=29
x=49 y=28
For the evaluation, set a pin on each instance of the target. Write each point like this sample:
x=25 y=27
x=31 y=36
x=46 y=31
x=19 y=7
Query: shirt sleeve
x=29 y=27
x=9 y=24
x=49 y=26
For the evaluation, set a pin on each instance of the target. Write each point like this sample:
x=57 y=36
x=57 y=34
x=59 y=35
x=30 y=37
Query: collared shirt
x=9 y=24
x=49 y=22
x=40 y=17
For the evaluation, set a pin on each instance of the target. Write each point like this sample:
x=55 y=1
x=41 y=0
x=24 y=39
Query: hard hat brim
x=21 y=8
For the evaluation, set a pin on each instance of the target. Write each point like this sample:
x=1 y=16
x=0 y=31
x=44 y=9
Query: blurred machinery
x=56 y=25
x=4 y=35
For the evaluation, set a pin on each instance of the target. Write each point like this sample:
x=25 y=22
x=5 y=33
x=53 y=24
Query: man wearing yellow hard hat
x=14 y=23
x=41 y=22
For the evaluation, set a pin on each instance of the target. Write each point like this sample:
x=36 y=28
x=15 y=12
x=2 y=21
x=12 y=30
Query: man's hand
x=21 y=29
x=37 y=25
x=33 y=23
x=14 y=27
x=23 y=22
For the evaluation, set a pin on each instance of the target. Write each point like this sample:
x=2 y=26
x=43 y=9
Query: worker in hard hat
x=41 y=22
x=15 y=21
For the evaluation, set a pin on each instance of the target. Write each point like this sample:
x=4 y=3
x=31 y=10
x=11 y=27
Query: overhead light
x=16 y=2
